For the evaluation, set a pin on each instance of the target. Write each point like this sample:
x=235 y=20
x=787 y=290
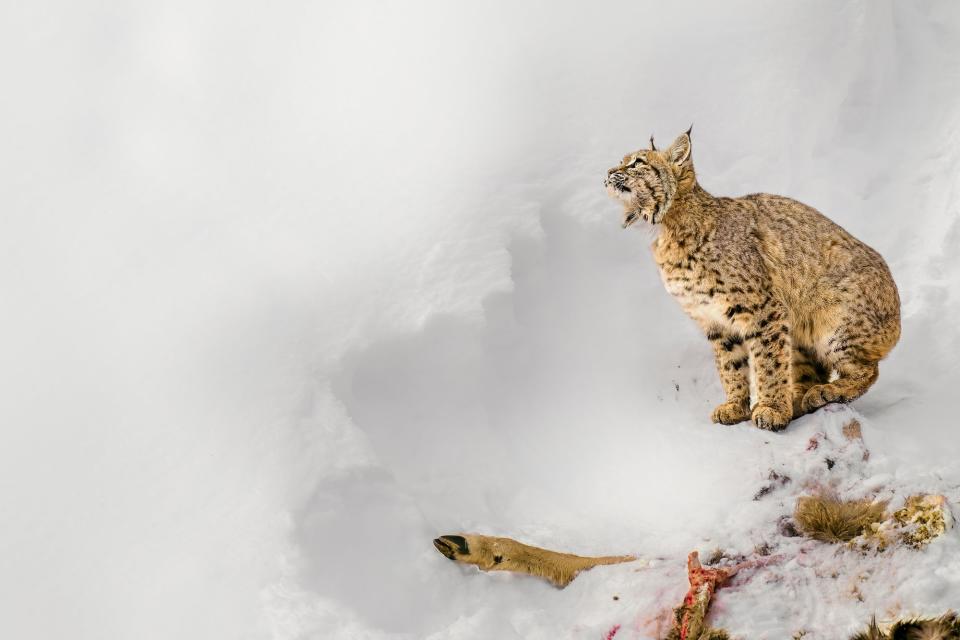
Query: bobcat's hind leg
x=807 y=372
x=852 y=353
x=855 y=377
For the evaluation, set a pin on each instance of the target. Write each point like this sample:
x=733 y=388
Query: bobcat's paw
x=766 y=417
x=819 y=396
x=731 y=413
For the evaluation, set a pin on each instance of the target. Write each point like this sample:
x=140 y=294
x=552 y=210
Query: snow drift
x=292 y=290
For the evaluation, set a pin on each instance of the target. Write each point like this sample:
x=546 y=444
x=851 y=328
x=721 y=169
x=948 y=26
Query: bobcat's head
x=648 y=181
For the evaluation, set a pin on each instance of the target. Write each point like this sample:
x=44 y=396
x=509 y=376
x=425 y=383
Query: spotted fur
x=782 y=293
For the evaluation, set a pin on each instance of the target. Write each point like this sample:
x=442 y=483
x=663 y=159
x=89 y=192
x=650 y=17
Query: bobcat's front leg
x=769 y=345
x=733 y=365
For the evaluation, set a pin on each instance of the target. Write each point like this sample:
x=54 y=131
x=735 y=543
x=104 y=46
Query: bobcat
x=782 y=293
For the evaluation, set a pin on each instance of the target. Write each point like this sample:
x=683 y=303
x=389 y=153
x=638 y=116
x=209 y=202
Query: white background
x=289 y=289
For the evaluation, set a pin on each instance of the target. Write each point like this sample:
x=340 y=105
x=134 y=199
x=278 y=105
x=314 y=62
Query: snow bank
x=292 y=291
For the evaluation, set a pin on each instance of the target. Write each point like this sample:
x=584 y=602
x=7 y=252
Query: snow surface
x=292 y=289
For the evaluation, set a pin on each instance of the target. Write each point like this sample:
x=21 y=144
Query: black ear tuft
x=690 y=130
x=653 y=147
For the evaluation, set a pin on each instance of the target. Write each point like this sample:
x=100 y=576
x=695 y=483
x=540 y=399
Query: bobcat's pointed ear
x=679 y=150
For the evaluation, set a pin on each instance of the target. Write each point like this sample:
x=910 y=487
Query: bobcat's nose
x=614 y=179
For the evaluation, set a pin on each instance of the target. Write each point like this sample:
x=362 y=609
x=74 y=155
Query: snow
x=291 y=290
